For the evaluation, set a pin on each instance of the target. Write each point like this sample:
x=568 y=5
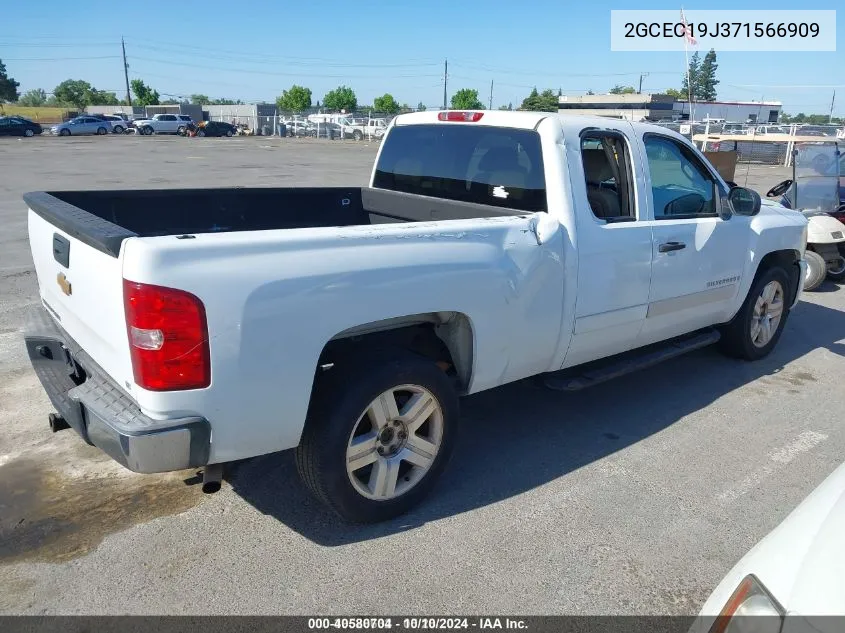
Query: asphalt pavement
x=634 y=497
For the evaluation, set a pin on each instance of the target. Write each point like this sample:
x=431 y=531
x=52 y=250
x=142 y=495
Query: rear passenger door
x=614 y=244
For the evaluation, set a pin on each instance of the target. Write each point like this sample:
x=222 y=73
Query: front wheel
x=816 y=270
x=29 y=133
x=756 y=328
x=357 y=135
x=229 y=133
x=200 y=133
x=376 y=440
x=181 y=130
x=64 y=132
x=118 y=129
x=148 y=131
x=101 y=131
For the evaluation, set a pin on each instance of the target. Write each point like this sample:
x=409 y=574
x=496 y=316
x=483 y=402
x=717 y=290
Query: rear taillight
x=467 y=117
x=168 y=337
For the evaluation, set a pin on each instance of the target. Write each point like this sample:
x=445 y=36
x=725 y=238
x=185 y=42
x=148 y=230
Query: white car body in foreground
x=801 y=564
x=511 y=272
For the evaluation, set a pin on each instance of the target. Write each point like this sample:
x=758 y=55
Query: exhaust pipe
x=57 y=423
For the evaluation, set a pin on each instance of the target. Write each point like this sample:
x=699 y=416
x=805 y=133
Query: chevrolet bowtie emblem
x=64 y=284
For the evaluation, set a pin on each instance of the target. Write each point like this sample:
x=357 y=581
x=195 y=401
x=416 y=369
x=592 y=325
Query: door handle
x=671 y=246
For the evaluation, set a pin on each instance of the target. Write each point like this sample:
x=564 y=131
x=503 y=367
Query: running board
x=596 y=372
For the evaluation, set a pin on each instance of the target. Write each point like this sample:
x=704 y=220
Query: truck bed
x=103 y=219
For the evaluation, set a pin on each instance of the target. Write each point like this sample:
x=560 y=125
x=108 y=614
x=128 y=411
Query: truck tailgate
x=82 y=288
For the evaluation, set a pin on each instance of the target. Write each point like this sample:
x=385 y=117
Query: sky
x=254 y=51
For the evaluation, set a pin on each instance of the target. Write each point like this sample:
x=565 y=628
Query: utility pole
x=832 y=102
x=491 y=95
x=126 y=73
x=640 y=90
x=445 y=76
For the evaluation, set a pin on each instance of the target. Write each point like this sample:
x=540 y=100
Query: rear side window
x=500 y=167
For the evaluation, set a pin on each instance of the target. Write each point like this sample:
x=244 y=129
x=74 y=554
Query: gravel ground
x=631 y=498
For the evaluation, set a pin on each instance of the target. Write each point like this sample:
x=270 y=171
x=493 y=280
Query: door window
x=607 y=172
x=681 y=186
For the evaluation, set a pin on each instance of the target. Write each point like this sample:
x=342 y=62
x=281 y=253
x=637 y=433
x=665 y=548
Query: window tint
x=472 y=163
x=607 y=171
x=680 y=185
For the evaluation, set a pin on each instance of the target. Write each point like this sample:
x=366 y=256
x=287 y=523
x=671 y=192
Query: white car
x=118 y=124
x=347 y=321
x=797 y=572
x=164 y=124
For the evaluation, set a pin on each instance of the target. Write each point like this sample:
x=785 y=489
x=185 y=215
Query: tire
x=118 y=129
x=816 y=270
x=28 y=133
x=314 y=134
x=338 y=415
x=101 y=131
x=181 y=130
x=747 y=336
x=836 y=272
x=357 y=135
x=229 y=133
x=147 y=130
x=64 y=132
x=200 y=132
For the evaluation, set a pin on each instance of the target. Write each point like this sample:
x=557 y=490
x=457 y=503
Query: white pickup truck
x=186 y=328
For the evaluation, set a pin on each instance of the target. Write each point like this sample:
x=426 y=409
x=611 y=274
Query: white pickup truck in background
x=185 y=328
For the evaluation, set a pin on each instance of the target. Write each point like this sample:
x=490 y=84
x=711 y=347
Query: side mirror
x=744 y=201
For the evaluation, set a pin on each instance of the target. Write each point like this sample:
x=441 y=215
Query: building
x=656 y=107
x=635 y=107
x=731 y=111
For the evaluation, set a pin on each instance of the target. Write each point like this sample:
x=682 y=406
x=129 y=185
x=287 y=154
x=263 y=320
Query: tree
x=170 y=101
x=100 y=97
x=341 y=98
x=546 y=101
x=144 y=94
x=707 y=82
x=690 y=85
x=622 y=90
x=421 y=107
x=8 y=86
x=226 y=102
x=33 y=98
x=590 y=92
x=73 y=92
x=386 y=103
x=297 y=99
x=200 y=99
x=674 y=92
x=466 y=99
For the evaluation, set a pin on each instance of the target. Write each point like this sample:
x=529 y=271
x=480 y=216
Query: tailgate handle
x=61 y=250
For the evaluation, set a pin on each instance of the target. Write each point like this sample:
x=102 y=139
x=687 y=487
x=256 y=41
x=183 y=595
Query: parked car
x=118 y=124
x=164 y=124
x=791 y=576
x=18 y=126
x=298 y=127
x=326 y=130
x=82 y=125
x=216 y=128
x=487 y=248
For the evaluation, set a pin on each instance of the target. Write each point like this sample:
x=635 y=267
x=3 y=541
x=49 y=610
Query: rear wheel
x=816 y=270
x=756 y=328
x=378 y=437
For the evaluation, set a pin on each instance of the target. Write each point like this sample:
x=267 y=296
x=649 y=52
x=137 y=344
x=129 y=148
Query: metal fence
x=759 y=147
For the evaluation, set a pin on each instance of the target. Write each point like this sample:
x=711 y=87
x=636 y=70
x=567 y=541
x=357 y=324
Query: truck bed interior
x=103 y=219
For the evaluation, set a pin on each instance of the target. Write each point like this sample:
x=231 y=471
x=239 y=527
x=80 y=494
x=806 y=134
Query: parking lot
x=634 y=497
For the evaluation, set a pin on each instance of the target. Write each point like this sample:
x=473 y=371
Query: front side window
x=681 y=187
x=501 y=167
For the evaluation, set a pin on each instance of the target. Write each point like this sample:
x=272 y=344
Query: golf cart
x=815 y=190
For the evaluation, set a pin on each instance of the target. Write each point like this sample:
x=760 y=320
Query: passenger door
x=699 y=248
x=7 y=127
x=614 y=245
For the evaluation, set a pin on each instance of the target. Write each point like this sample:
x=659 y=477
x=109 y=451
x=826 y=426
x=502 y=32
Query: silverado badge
x=64 y=284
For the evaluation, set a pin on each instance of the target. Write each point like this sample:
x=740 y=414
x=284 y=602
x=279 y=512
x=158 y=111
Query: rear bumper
x=102 y=413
